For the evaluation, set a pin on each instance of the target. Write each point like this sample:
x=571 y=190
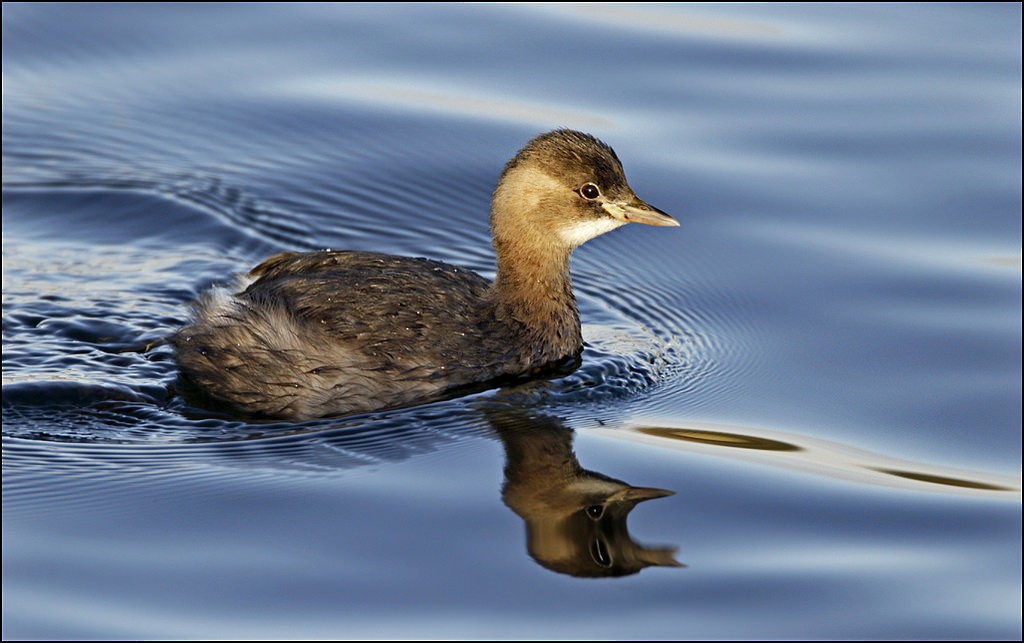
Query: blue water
x=823 y=362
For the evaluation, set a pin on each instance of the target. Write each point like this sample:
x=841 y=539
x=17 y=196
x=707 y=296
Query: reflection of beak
x=636 y=211
x=639 y=494
x=661 y=556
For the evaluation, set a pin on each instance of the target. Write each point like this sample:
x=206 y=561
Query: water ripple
x=818 y=457
x=173 y=450
x=89 y=366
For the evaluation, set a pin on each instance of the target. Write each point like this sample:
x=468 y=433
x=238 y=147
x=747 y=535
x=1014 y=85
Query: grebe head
x=563 y=189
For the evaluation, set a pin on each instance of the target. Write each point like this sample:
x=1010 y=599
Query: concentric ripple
x=669 y=341
x=85 y=326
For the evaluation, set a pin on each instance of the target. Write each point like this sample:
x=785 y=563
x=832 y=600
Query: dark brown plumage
x=333 y=332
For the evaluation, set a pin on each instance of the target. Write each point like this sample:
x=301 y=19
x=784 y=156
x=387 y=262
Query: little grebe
x=333 y=332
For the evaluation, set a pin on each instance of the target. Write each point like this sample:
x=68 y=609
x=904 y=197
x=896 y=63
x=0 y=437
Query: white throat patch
x=581 y=232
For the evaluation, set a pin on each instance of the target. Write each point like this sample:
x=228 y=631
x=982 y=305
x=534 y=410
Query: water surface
x=822 y=364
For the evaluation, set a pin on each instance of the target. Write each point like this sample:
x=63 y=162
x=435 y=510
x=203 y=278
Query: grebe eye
x=590 y=192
